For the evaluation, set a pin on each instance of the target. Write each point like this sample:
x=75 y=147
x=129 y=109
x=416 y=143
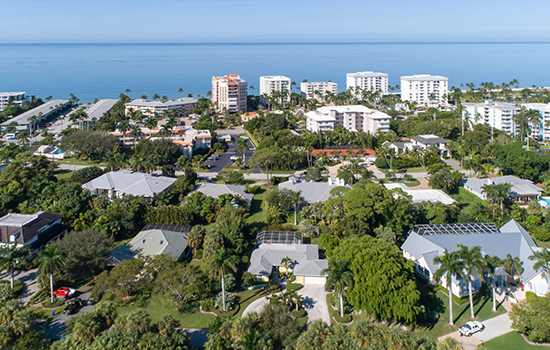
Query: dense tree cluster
x=88 y=144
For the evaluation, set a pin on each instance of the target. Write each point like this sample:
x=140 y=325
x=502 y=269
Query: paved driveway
x=29 y=281
x=256 y=306
x=59 y=324
x=315 y=302
x=495 y=327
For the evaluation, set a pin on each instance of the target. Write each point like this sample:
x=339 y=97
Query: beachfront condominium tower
x=498 y=115
x=275 y=86
x=13 y=97
x=372 y=81
x=424 y=89
x=352 y=118
x=540 y=130
x=317 y=90
x=230 y=93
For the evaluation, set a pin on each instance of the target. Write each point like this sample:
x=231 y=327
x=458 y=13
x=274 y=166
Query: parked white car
x=470 y=328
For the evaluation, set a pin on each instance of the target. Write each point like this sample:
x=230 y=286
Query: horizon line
x=278 y=43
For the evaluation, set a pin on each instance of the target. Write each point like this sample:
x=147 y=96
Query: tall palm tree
x=473 y=260
x=502 y=192
x=51 y=262
x=339 y=277
x=222 y=263
x=296 y=197
x=512 y=265
x=135 y=132
x=491 y=264
x=542 y=259
x=449 y=265
x=12 y=258
x=123 y=127
x=242 y=146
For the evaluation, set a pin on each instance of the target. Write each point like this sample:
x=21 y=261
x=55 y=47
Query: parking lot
x=216 y=163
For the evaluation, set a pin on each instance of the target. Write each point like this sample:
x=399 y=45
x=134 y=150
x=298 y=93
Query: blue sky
x=87 y=21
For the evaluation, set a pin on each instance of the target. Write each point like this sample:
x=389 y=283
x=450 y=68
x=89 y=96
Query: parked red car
x=64 y=292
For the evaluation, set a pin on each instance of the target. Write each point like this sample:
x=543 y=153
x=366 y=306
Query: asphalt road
x=224 y=158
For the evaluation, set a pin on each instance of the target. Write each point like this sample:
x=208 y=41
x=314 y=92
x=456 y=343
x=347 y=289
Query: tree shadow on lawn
x=480 y=299
x=433 y=305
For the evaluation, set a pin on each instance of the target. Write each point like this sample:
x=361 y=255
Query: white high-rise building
x=317 y=90
x=368 y=81
x=498 y=115
x=424 y=88
x=540 y=131
x=353 y=118
x=230 y=92
x=275 y=83
x=14 y=97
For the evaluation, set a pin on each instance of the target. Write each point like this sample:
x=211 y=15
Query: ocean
x=93 y=71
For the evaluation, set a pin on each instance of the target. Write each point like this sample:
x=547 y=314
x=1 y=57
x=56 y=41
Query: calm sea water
x=105 y=70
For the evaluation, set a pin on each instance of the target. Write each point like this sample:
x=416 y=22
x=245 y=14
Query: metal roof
x=455 y=229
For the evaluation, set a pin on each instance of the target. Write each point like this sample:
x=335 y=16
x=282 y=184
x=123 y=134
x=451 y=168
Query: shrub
x=541 y=233
x=299 y=314
x=253 y=189
x=49 y=305
x=229 y=301
x=249 y=279
x=381 y=163
x=530 y=295
x=207 y=305
x=346 y=319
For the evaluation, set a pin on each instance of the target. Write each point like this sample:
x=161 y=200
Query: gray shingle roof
x=312 y=192
x=131 y=183
x=151 y=243
x=429 y=139
x=216 y=190
x=305 y=257
x=511 y=239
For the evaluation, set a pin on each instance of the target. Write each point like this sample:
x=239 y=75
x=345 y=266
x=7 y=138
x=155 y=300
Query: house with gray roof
x=311 y=191
x=153 y=240
x=215 y=190
x=124 y=182
x=425 y=242
x=30 y=230
x=425 y=141
x=522 y=191
x=266 y=259
x=419 y=196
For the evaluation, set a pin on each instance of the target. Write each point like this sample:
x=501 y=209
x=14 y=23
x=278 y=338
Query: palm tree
x=512 y=266
x=242 y=146
x=123 y=127
x=340 y=277
x=491 y=264
x=449 y=265
x=12 y=258
x=502 y=192
x=222 y=263
x=473 y=260
x=542 y=258
x=150 y=123
x=287 y=263
x=296 y=197
x=135 y=132
x=51 y=262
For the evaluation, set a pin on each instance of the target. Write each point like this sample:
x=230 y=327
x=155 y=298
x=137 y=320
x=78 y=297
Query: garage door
x=314 y=280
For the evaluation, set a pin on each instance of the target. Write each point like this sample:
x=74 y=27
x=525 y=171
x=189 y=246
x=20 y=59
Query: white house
x=424 y=88
x=425 y=242
x=522 y=191
x=215 y=190
x=353 y=118
x=426 y=141
x=498 y=115
x=124 y=182
x=311 y=191
x=31 y=230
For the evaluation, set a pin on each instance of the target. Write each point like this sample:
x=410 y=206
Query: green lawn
x=246 y=297
x=511 y=341
x=71 y=161
x=437 y=308
x=256 y=213
x=159 y=307
x=469 y=196
x=62 y=174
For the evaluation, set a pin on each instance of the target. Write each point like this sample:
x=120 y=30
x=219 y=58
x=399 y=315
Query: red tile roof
x=331 y=152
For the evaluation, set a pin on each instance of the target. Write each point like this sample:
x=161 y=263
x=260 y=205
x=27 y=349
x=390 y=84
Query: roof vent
x=143 y=241
x=161 y=242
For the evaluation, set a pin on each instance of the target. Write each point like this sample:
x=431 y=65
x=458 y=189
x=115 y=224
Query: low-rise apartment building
x=185 y=106
x=275 y=83
x=353 y=118
x=541 y=130
x=24 y=120
x=192 y=140
x=13 y=97
x=424 y=89
x=368 y=80
x=498 y=115
x=317 y=90
x=230 y=93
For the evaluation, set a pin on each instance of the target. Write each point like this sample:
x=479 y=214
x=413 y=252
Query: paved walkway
x=455 y=165
x=256 y=306
x=423 y=185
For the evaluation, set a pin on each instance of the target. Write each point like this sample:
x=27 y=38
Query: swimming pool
x=546 y=200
